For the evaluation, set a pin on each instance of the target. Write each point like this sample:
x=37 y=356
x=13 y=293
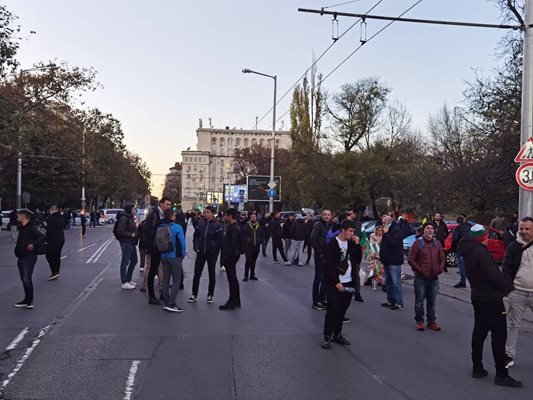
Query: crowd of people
x=338 y=245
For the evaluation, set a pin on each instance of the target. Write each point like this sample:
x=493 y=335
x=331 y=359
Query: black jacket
x=28 y=234
x=253 y=236
x=487 y=282
x=442 y=232
x=510 y=234
x=275 y=228
x=287 y=229
x=391 y=249
x=231 y=242
x=318 y=236
x=461 y=231
x=125 y=228
x=513 y=258
x=55 y=226
x=153 y=220
x=333 y=260
x=299 y=230
x=208 y=236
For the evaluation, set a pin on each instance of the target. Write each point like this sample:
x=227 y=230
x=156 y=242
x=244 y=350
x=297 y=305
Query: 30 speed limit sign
x=524 y=176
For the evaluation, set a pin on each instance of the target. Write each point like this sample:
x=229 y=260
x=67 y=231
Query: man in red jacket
x=426 y=258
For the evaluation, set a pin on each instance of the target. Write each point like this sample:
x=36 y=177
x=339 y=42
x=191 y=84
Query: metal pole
x=525 y=201
x=83 y=173
x=19 y=181
x=272 y=154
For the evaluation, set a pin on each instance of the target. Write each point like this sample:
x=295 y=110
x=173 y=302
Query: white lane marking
x=56 y=322
x=62 y=258
x=86 y=247
x=16 y=341
x=24 y=358
x=97 y=251
x=102 y=252
x=131 y=380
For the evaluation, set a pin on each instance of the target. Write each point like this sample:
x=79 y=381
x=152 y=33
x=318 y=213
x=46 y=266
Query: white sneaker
x=133 y=283
x=127 y=286
x=286 y=263
x=222 y=269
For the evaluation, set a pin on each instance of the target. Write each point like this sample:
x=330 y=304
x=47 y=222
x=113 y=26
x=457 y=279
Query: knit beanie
x=479 y=233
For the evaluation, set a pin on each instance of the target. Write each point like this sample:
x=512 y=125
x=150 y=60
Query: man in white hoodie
x=518 y=264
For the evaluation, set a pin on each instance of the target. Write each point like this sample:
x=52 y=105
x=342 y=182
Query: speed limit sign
x=524 y=176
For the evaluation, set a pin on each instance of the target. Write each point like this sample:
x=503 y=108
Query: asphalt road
x=88 y=339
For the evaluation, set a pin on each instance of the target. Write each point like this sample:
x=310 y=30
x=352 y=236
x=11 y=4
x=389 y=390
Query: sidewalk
x=447 y=281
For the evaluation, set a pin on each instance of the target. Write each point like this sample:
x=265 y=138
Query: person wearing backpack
x=426 y=258
x=170 y=241
x=128 y=235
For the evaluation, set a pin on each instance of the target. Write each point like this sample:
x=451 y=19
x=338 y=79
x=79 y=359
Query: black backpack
x=115 y=226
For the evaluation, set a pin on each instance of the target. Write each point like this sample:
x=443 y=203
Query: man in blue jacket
x=172 y=261
x=391 y=255
x=208 y=235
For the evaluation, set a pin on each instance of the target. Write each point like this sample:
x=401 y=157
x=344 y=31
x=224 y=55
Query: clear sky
x=164 y=64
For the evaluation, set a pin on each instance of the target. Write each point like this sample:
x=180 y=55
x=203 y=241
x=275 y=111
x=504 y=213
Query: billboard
x=258 y=188
x=233 y=193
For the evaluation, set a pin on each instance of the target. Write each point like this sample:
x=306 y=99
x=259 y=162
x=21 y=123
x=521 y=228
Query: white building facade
x=207 y=169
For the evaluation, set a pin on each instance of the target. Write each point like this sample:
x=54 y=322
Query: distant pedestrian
x=298 y=235
x=518 y=265
x=277 y=234
x=339 y=276
x=426 y=258
x=488 y=288
x=230 y=255
x=74 y=216
x=128 y=236
x=83 y=223
x=460 y=232
x=172 y=259
x=318 y=242
x=253 y=236
x=498 y=222
x=287 y=233
x=358 y=226
x=28 y=242
x=391 y=255
x=209 y=235
x=55 y=240
x=309 y=228
x=92 y=219
x=264 y=221
x=13 y=225
x=142 y=247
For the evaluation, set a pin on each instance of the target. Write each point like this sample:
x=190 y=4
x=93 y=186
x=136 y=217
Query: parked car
x=5 y=217
x=109 y=215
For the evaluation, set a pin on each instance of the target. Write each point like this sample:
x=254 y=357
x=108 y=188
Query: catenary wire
x=316 y=62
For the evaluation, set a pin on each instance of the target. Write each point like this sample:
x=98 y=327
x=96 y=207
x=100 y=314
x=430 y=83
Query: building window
x=222 y=142
x=195 y=159
x=246 y=142
x=262 y=142
x=277 y=142
x=188 y=168
x=254 y=142
x=238 y=142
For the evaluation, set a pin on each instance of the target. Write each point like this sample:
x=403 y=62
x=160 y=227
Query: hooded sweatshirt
x=487 y=282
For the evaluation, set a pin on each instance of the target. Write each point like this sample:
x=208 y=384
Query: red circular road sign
x=524 y=176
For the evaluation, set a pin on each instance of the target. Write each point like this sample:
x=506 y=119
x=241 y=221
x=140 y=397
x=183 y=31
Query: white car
x=109 y=215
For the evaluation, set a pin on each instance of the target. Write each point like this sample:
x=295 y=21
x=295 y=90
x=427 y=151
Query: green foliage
x=8 y=42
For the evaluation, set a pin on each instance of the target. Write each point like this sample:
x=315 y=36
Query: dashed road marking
x=131 y=380
x=16 y=341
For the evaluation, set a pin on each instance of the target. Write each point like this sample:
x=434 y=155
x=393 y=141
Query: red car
x=495 y=246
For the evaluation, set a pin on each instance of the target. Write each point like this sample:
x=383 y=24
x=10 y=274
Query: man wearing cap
x=28 y=241
x=427 y=260
x=488 y=287
x=518 y=265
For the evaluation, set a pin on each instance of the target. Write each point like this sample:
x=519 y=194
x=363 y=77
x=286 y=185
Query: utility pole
x=525 y=200
x=19 y=181
x=83 y=173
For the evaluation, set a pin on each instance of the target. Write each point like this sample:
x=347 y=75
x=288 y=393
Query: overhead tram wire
x=357 y=49
x=317 y=60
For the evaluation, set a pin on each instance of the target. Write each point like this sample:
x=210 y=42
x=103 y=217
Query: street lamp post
x=272 y=151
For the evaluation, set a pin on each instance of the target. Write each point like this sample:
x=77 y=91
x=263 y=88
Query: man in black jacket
x=318 y=242
x=298 y=236
x=460 y=232
x=488 y=287
x=391 y=255
x=277 y=244
x=265 y=224
x=339 y=257
x=230 y=256
x=55 y=240
x=153 y=220
x=208 y=234
x=128 y=236
x=253 y=235
x=28 y=241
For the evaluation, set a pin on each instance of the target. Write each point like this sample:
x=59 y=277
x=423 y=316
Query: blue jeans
x=26 y=265
x=393 y=274
x=129 y=256
x=426 y=290
x=319 y=283
x=461 y=266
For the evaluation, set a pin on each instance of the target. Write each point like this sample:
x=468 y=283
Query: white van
x=109 y=215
